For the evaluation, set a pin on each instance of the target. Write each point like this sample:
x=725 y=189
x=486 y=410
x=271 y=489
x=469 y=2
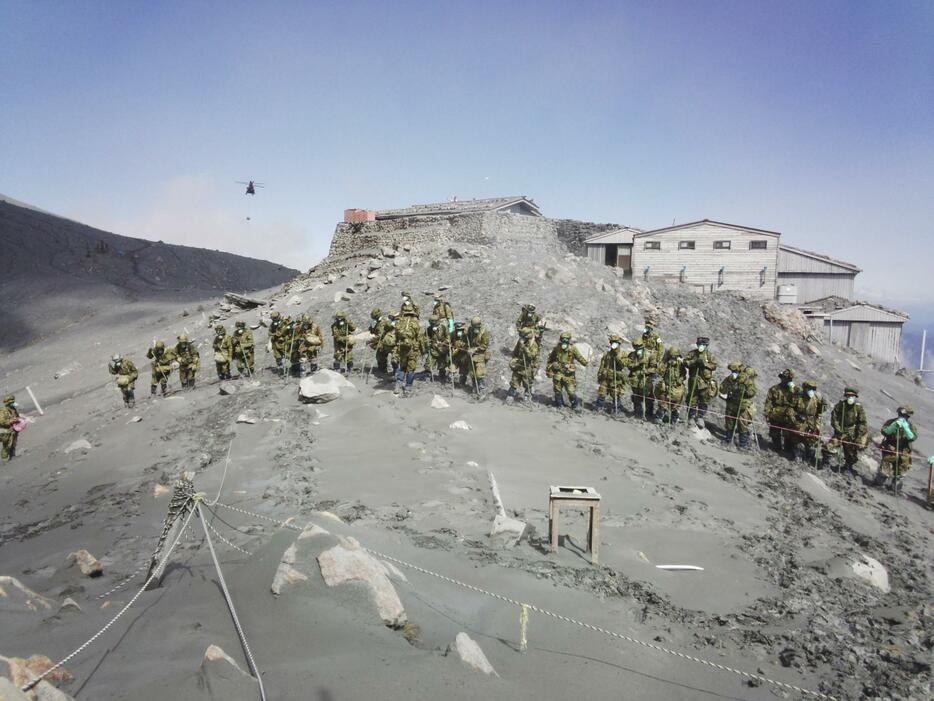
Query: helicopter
x=250 y=186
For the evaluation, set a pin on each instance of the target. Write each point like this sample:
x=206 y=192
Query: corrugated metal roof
x=622 y=235
x=845 y=310
x=678 y=227
x=817 y=256
x=491 y=204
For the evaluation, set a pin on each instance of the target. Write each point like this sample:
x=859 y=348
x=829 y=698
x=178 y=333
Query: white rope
x=155 y=575
x=558 y=616
x=224 y=476
x=227 y=542
x=230 y=605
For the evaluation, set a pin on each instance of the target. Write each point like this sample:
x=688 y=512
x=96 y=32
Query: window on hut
x=653 y=245
x=721 y=245
x=758 y=245
x=685 y=245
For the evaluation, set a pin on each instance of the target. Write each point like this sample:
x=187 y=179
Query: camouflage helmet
x=475 y=321
x=651 y=322
x=637 y=343
x=408 y=309
x=615 y=339
x=906 y=410
x=406 y=293
x=340 y=315
x=183 y=339
x=240 y=324
x=274 y=314
x=305 y=319
x=376 y=313
x=749 y=372
x=530 y=307
x=565 y=336
x=9 y=399
x=810 y=384
x=116 y=358
x=786 y=374
x=160 y=345
x=393 y=317
x=735 y=366
x=703 y=341
x=850 y=391
x=674 y=352
x=220 y=330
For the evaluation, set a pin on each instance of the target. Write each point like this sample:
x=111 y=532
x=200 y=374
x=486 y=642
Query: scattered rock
x=701 y=434
x=813 y=350
x=10 y=692
x=455 y=254
x=286 y=573
x=374 y=275
x=374 y=264
x=23 y=671
x=348 y=562
x=135 y=420
x=294 y=301
x=794 y=350
x=873 y=572
x=324 y=386
x=407 y=272
x=400 y=262
x=15 y=596
x=227 y=388
x=46 y=692
x=854 y=365
x=223 y=678
x=246 y=419
x=439 y=402
x=80 y=444
x=159 y=490
x=90 y=566
x=69 y=605
x=460 y=425
x=471 y=655
x=774 y=349
x=243 y=301
x=388 y=252
x=788 y=318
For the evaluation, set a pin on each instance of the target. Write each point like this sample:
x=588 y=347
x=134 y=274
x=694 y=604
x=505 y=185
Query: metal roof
x=455 y=206
x=678 y=227
x=846 y=310
x=622 y=235
x=818 y=256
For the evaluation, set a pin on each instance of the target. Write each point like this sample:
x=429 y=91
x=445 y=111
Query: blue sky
x=812 y=118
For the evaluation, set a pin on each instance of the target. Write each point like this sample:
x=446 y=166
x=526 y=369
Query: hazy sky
x=812 y=118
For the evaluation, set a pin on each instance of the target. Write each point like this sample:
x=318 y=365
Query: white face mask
x=810 y=393
x=851 y=400
x=734 y=375
x=791 y=384
x=614 y=345
x=564 y=344
x=639 y=351
x=702 y=348
x=645 y=329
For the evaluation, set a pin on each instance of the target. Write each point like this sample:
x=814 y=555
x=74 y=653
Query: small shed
x=867 y=328
x=815 y=276
x=613 y=248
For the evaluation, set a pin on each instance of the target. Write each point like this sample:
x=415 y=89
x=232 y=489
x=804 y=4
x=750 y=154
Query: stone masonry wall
x=572 y=233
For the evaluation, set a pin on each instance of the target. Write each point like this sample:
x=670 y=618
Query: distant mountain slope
x=55 y=272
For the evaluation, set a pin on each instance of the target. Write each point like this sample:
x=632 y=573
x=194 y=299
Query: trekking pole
x=739 y=410
x=451 y=364
x=291 y=347
x=473 y=367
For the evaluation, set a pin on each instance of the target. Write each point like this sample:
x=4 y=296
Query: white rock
x=160 y=489
x=854 y=365
x=774 y=349
x=294 y=300
x=794 y=350
x=439 y=402
x=374 y=275
x=400 y=262
x=585 y=349
x=339 y=296
x=135 y=420
x=15 y=596
x=227 y=388
x=90 y=566
x=217 y=654
x=286 y=574
x=813 y=350
x=507 y=530
x=388 y=252
x=460 y=425
x=471 y=655
x=701 y=434
x=873 y=572
x=324 y=386
x=46 y=692
x=80 y=444
x=347 y=562
x=407 y=271
x=10 y=692
x=374 y=264
x=246 y=419
x=223 y=679
x=317 y=286
x=69 y=604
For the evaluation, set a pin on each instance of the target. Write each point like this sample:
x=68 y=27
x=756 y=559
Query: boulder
x=159 y=490
x=438 y=402
x=348 y=562
x=286 y=574
x=243 y=301
x=223 y=678
x=80 y=444
x=454 y=254
x=374 y=264
x=294 y=301
x=813 y=350
x=10 y=692
x=788 y=318
x=400 y=262
x=794 y=350
x=324 y=386
x=872 y=571
x=471 y=655
x=15 y=597
x=24 y=670
x=46 y=692
x=69 y=605
x=90 y=566
x=388 y=252
x=460 y=425
x=227 y=388
x=246 y=419
x=407 y=271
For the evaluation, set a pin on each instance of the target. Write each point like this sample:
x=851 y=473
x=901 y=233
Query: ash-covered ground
x=778 y=596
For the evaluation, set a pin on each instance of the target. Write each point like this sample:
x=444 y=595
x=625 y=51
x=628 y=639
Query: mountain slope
x=54 y=272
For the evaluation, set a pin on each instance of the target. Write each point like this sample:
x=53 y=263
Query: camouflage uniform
x=524 y=364
x=408 y=298
x=652 y=341
x=643 y=367
x=278 y=340
x=442 y=314
x=378 y=329
x=780 y=411
x=850 y=429
x=530 y=319
x=702 y=387
x=612 y=376
x=562 y=369
x=670 y=388
x=305 y=348
x=439 y=348
x=409 y=346
x=809 y=408
x=126 y=374
x=189 y=361
x=897 y=436
x=243 y=348
x=8 y=436
x=223 y=352
x=471 y=350
x=161 y=366
x=738 y=389
x=341 y=331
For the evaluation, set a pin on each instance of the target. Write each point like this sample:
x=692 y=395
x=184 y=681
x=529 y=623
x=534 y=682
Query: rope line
x=566 y=619
x=157 y=572
x=230 y=605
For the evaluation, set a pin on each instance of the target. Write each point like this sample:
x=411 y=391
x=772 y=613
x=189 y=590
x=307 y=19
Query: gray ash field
x=779 y=596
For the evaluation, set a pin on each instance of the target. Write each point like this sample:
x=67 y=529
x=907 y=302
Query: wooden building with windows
x=613 y=248
x=867 y=328
x=804 y=276
x=708 y=256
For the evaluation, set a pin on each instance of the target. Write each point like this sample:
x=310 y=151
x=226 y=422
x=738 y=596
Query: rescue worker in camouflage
x=439 y=348
x=739 y=389
x=530 y=319
x=780 y=412
x=378 y=325
x=612 y=375
x=524 y=365
x=223 y=352
x=407 y=297
x=809 y=415
x=342 y=330
x=562 y=369
x=671 y=385
x=8 y=434
x=476 y=354
x=642 y=370
x=127 y=374
x=897 y=436
x=702 y=387
x=850 y=430
x=442 y=313
x=410 y=343
x=307 y=344
x=244 y=348
x=189 y=361
x=160 y=367
x=278 y=343
x=651 y=340
x=389 y=342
